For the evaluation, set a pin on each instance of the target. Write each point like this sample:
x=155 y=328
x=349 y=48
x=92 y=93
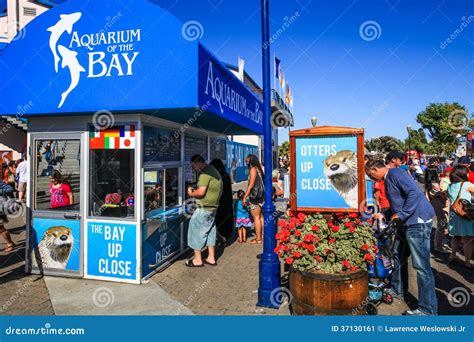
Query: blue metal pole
x=269 y=267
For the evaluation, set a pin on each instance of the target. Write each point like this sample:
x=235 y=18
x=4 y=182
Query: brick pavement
x=20 y=294
x=228 y=289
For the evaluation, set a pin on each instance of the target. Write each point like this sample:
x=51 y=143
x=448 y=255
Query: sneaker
x=442 y=249
x=394 y=294
x=416 y=312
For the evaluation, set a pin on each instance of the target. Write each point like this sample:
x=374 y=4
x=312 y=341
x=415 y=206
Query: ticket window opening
x=161 y=190
x=112 y=178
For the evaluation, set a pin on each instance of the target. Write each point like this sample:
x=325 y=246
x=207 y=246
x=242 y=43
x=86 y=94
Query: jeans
x=415 y=240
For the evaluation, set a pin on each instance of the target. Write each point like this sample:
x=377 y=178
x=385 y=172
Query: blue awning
x=142 y=60
x=3 y=8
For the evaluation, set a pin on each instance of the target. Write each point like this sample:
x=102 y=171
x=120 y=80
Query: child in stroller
x=381 y=271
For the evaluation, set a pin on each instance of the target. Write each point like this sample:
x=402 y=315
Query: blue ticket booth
x=117 y=100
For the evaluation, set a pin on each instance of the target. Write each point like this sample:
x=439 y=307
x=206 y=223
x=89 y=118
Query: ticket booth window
x=112 y=178
x=57 y=175
x=161 y=190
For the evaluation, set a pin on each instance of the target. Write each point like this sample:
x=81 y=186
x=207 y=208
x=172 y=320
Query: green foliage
x=310 y=242
x=284 y=150
x=384 y=144
x=444 y=121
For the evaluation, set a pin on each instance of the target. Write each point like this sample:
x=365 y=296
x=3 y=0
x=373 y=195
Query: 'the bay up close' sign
x=328 y=169
x=111 y=250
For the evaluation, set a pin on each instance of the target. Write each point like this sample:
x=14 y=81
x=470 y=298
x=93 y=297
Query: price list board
x=161 y=145
x=193 y=145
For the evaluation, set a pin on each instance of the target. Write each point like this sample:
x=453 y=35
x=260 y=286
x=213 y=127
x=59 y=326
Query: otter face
x=343 y=162
x=59 y=236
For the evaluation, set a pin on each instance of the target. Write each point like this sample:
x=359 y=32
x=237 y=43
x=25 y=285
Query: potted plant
x=328 y=258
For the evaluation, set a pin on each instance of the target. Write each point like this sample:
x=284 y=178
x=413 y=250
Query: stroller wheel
x=387 y=298
x=371 y=309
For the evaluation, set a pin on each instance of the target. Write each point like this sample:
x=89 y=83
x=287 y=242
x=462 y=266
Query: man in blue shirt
x=410 y=206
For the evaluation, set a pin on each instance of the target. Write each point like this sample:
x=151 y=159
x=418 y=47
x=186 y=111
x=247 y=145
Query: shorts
x=22 y=187
x=244 y=222
x=202 y=229
x=253 y=206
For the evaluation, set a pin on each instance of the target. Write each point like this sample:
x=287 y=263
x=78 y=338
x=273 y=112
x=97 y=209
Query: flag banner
x=277 y=68
x=241 y=69
x=115 y=138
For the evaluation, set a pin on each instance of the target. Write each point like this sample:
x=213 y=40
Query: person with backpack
x=460 y=228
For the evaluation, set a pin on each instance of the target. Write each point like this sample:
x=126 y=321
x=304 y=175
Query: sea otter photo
x=54 y=249
x=341 y=169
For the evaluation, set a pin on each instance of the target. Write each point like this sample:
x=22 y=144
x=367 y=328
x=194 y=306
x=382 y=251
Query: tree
x=444 y=121
x=384 y=144
x=284 y=150
x=417 y=141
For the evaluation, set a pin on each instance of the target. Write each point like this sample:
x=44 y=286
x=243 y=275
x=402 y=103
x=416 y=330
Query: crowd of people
x=12 y=185
x=400 y=199
x=217 y=215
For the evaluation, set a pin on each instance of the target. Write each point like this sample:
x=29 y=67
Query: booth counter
x=116 y=114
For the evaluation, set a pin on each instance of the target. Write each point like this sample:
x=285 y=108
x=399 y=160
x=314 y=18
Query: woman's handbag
x=462 y=207
x=257 y=195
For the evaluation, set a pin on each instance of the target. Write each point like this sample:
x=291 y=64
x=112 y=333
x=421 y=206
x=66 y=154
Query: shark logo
x=70 y=60
x=65 y=24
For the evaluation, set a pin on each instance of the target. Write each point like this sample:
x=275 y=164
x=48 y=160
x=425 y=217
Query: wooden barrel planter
x=322 y=294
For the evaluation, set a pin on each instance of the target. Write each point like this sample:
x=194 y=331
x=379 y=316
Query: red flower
x=368 y=257
x=346 y=264
x=354 y=268
x=291 y=225
x=348 y=224
x=365 y=247
x=317 y=239
x=335 y=228
x=297 y=254
x=375 y=249
x=353 y=215
x=352 y=229
x=291 y=213
x=286 y=248
x=309 y=237
x=314 y=228
x=289 y=260
x=317 y=258
x=282 y=223
x=327 y=250
x=301 y=217
x=332 y=240
x=309 y=247
x=297 y=233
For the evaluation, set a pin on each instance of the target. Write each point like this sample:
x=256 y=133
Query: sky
x=343 y=74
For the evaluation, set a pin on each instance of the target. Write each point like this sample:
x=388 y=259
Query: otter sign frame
x=328 y=169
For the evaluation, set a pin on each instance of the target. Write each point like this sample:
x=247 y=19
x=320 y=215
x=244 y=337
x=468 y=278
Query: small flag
x=120 y=137
x=241 y=69
x=277 y=68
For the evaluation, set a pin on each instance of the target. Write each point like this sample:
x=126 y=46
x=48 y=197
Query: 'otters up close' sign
x=327 y=170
